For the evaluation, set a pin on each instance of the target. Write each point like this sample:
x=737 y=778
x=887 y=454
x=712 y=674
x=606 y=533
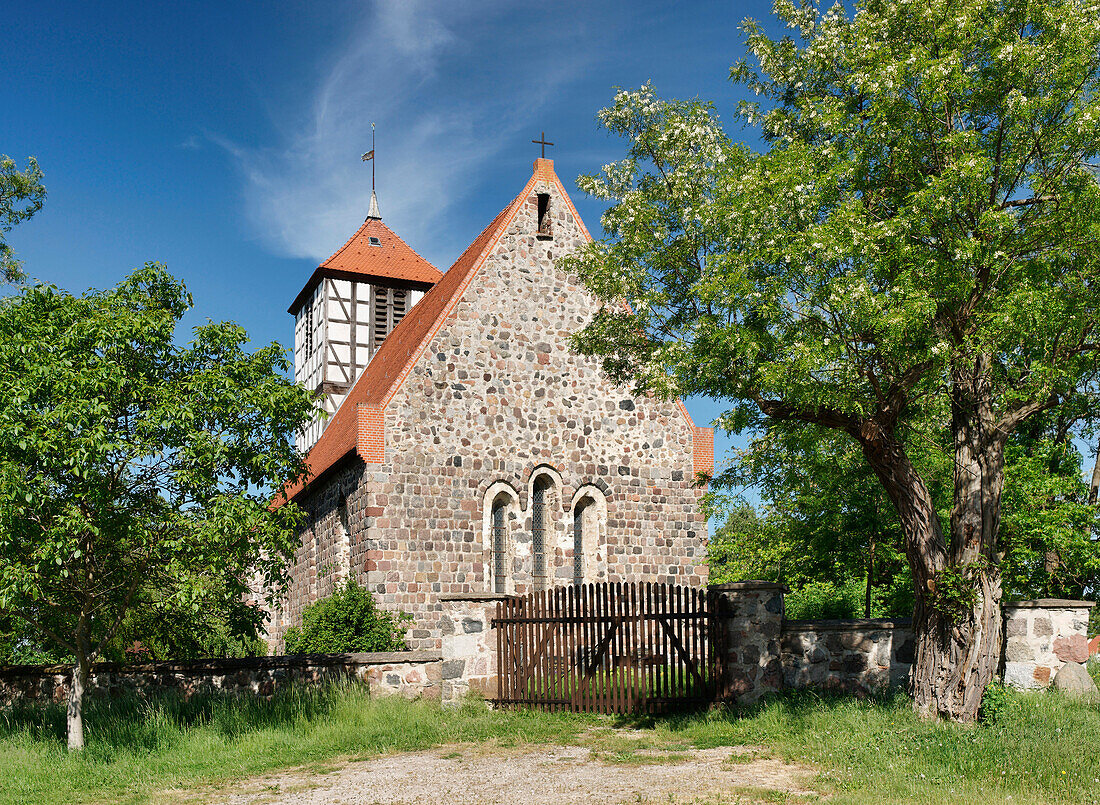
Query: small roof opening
x=375 y=241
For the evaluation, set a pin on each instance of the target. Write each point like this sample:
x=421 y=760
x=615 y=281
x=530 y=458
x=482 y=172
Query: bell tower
x=350 y=304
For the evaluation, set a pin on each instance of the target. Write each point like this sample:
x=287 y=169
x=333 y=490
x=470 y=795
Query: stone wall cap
x=1050 y=603
x=230 y=664
x=474 y=597
x=749 y=585
x=847 y=625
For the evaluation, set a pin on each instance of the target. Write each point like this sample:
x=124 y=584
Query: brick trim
x=702 y=451
x=371 y=442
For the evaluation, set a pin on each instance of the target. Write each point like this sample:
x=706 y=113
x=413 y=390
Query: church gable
x=514 y=462
x=491 y=457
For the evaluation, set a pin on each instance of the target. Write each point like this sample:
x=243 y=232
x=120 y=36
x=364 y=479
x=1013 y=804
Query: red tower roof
x=374 y=253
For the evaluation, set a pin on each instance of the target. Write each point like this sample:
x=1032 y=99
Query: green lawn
x=1041 y=750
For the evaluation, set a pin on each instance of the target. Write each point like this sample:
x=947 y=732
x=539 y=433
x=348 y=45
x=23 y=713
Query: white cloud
x=446 y=96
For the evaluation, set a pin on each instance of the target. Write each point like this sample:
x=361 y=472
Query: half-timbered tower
x=347 y=308
x=475 y=451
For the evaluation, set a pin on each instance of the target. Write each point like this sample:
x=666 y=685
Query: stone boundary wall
x=410 y=674
x=1041 y=636
x=757 y=649
x=860 y=654
x=762 y=651
x=469 y=645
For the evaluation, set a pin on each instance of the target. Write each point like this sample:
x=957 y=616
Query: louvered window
x=388 y=307
x=539 y=516
x=500 y=543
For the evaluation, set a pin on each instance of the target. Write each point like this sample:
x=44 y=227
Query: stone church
x=468 y=449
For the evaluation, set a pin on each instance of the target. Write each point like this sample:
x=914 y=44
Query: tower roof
x=374 y=252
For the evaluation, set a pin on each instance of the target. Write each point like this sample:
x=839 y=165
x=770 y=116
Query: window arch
x=500 y=508
x=540 y=520
x=589 y=535
x=544 y=499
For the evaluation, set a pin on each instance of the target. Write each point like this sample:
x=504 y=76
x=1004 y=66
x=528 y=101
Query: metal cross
x=543 y=143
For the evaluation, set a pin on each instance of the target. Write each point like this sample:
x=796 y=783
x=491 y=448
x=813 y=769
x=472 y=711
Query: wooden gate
x=606 y=648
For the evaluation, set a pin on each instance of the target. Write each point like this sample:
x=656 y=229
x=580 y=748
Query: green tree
x=347 y=621
x=129 y=462
x=921 y=231
x=21 y=196
x=827 y=523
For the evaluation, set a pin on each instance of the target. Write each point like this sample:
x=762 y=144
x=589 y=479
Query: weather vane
x=541 y=142
x=369 y=157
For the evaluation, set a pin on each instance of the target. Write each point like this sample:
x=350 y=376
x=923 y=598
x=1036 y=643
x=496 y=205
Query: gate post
x=748 y=624
x=469 y=645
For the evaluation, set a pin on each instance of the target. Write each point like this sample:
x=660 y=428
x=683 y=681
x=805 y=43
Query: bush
x=996 y=700
x=824 y=600
x=347 y=621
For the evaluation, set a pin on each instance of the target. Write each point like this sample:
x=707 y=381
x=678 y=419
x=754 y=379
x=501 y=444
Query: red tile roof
x=399 y=351
x=359 y=259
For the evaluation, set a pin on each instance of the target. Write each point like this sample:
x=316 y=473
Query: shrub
x=347 y=621
x=824 y=600
x=996 y=700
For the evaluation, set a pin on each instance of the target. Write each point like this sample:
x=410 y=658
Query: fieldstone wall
x=496 y=399
x=469 y=646
x=748 y=649
x=862 y=654
x=412 y=674
x=763 y=652
x=1041 y=636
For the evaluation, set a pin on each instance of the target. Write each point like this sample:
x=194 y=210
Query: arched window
x=540 y=521
x=498 y=527
x=589 y=535
x=578 y=539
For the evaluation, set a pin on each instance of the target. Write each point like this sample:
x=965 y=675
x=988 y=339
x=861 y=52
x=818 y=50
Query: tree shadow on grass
x=795 y=709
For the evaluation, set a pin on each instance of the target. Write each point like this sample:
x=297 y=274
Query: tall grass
x=1042 y=749
x=135 y=747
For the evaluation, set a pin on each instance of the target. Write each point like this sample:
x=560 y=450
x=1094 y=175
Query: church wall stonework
x=498 y=394
x=496 y=398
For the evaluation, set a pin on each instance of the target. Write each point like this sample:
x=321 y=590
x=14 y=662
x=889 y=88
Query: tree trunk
x=75 y=710
x=958 y=617
x=870 y=580
x=957 y=653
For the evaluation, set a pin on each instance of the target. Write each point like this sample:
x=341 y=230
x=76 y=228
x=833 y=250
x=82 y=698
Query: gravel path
x=532 y=775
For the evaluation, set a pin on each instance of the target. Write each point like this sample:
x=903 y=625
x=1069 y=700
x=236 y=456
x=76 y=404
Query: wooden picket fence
x=607 y=648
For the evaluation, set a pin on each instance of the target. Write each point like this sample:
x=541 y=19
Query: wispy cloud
x=446 y=96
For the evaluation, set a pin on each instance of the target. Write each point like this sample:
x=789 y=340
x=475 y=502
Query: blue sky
x=223 y=139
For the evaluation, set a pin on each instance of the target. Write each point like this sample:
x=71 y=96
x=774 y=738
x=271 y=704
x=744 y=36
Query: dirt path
x=532 y=775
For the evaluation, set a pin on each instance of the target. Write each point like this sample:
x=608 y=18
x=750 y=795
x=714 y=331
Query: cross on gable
x=543 y=143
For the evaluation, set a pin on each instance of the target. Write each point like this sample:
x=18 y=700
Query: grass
x=135 y=749
x=1041 y=749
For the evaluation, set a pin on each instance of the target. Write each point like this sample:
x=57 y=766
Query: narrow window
x=544 y=214
x=499 y=525
x=309 y=330
x=579 y=540
x=538 y=530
